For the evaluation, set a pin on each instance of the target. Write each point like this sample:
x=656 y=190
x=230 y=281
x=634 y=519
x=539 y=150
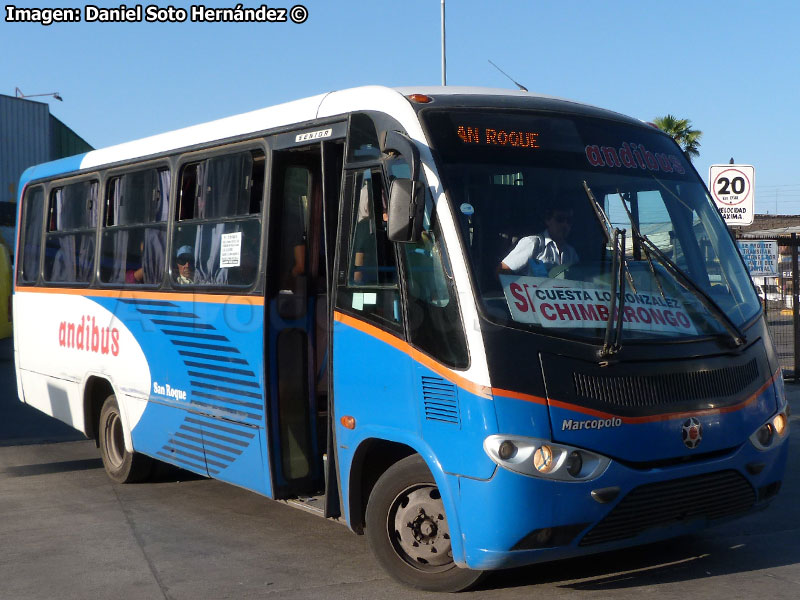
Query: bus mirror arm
x=400 y=143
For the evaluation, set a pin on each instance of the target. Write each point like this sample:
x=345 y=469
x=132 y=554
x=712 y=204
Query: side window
x=70 y=238
x=217 y=235
x=372 y=283
x=31 y=246
x=363 y=139
x=133 y=244
x=434 y=322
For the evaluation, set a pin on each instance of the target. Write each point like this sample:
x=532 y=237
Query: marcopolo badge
x=692 y=433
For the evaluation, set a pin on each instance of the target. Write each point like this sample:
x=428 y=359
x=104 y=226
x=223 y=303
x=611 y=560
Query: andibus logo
x=633 y=156
x=87 y=336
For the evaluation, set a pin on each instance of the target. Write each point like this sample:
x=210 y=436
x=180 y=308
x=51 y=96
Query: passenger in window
x=365 y=237
x=134 y=274
x=184 y=259
x=538 y=254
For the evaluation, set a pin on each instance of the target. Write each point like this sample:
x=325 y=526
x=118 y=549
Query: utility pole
x=444 y=56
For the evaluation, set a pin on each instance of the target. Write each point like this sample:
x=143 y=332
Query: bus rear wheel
x=408 y=532
x=121 y=465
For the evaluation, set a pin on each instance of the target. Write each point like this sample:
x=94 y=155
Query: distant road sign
x=761 y=257
x=733 y=190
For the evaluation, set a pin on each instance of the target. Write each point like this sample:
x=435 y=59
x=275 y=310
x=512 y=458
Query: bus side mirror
x=406 y=210
x=406 y=196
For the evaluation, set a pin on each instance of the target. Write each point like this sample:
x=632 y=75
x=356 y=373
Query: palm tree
x=681 y=131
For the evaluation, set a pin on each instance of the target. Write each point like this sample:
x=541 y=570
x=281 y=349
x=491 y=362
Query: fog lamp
x=574 y=463
x=507 y=450
x=765 y=434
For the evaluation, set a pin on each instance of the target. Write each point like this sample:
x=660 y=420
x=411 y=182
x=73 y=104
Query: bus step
x=312 y=504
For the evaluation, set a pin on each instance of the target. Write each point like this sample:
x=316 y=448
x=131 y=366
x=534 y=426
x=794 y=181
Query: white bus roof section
x=228 y=127
x=466 y=90
x=390 y=100
x=298 y=111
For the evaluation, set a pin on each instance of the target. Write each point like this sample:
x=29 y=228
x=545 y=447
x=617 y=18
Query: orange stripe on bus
x=519 y=396
x=149 y=295
x=406 y=348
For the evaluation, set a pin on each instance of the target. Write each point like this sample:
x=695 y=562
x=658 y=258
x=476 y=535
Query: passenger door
x=302 y=219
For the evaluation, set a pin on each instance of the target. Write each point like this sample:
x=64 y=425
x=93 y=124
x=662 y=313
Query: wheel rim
x=418 y=529
x=114 y=440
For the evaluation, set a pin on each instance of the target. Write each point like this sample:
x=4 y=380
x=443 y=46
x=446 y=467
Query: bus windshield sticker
x=577 y=305
x=231 y=250
x=358 y=300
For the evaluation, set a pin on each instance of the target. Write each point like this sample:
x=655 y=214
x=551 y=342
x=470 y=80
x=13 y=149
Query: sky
x=732 y=68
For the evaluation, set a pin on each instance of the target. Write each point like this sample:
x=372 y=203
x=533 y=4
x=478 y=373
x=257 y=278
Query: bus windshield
x=560 y=213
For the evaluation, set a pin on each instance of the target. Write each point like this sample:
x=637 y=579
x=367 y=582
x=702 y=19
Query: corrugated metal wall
x=24 y=141
x=29 y=135
x=65 y=142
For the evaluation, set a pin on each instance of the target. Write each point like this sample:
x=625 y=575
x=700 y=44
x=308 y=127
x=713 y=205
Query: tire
x=408 y=533
x=121 y=466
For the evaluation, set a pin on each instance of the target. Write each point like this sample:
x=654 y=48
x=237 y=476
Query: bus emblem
x=692 y=433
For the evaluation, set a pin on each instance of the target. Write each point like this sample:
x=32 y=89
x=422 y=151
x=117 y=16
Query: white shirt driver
x=542 y=249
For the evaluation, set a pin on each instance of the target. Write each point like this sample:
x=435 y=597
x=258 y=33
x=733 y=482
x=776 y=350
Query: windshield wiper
x=638 y=237
x=612 y=346
x=619 y=268
x=735 y=333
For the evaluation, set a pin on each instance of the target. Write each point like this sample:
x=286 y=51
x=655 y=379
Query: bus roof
x=378 y=98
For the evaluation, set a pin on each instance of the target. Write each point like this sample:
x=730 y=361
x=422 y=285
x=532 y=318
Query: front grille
x=710 y=496
x=662 y=390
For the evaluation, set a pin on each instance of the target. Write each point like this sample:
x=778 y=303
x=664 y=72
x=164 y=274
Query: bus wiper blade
x=639 y=238
x=735 y=333
x=608 y=230
x=613 y=338
x=619 y=267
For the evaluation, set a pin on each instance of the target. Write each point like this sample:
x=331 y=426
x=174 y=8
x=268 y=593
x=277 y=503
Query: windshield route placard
x=553 y=303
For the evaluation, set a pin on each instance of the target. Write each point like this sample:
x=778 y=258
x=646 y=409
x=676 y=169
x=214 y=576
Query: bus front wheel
x=121 y=465
x=408 y=532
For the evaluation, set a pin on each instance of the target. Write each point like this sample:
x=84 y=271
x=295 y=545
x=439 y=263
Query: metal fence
x=780 y=298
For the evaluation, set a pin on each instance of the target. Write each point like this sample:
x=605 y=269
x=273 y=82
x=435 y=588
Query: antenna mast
x=519 y=85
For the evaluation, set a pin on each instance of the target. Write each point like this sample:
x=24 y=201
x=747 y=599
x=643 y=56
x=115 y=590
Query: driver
x=537 y=254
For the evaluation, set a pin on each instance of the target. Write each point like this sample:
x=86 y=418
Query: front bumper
x=513 y=520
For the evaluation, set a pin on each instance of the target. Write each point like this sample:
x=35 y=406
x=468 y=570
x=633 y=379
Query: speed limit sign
x=733 y=190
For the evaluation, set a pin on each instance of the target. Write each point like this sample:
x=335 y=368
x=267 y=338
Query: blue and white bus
x=339 y=303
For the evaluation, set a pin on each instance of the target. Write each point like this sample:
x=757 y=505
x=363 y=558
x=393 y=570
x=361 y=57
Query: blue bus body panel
x=205 y=410
x=396 y=398
x=520 y=417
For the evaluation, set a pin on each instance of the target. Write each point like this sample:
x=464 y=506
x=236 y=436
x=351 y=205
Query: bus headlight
x=543 y=458
x=771 y=433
